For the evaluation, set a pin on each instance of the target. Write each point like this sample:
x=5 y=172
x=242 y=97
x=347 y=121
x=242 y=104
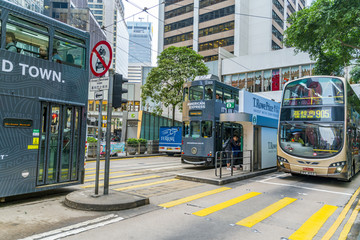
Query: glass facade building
x=140 y=37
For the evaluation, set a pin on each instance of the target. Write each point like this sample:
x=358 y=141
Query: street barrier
x=244 y=159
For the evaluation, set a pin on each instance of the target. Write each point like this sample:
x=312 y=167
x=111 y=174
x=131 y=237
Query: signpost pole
x=108 y=132
x=98 y=150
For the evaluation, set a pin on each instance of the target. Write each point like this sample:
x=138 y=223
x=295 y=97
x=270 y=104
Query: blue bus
x=204 y=99
x=44 y=80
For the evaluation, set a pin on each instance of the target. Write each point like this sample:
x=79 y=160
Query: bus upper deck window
x=196 y=93
x=209 y=92
x=68 y=50
x=23 y=39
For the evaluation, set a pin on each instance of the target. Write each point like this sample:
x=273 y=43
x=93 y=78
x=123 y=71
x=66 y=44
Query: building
x=241 y=27
x=110 y=15
x=140 y=39
x=241 y=40
x=33 y=5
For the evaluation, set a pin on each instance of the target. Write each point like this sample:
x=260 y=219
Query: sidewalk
x=208 y=175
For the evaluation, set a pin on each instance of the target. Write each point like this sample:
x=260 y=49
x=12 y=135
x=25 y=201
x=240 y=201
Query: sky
x=132 y=13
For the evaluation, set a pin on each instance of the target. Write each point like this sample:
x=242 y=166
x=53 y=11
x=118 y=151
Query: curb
x=114 y=201
x=222 y=181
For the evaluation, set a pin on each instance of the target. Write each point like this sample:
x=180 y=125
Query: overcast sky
x=131 y=10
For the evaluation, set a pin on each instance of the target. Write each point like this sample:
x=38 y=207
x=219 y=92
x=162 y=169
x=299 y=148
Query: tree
x=329 y=31
x=355 y=74
x=164 y=82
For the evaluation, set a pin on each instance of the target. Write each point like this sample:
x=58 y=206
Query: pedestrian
x=231 y=145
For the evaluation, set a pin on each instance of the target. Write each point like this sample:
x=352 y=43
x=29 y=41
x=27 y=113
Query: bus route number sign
x=100 y=58
x=230 y=103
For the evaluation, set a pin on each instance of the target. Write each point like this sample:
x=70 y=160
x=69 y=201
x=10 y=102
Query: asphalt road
x=272 y=206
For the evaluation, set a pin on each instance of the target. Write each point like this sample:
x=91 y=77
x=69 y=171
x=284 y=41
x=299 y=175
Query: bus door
x=58 y=159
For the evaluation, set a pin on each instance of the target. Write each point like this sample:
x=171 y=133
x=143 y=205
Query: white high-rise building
x=110 y=15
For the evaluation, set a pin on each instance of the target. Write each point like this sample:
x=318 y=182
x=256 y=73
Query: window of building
x=277 y=19
x=303 y=2
x=275 y=46
x=60 y=5
x=211 y=58
x=278 y=6
x=305 y=70
x=216 y=43
x=180 y=24
x=169 y=2
x=290 y=7
x=217 y=14
x=216 y=29
x=206 y=3
x=178 y=38
x=267 y=80
x=277 y=33
x=250 y=82
x=179 y=11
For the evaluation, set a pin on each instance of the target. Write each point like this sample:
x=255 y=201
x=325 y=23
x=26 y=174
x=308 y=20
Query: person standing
x=231 y=145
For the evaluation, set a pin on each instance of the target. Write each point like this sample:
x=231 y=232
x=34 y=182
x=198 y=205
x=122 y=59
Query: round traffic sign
x=100 y=58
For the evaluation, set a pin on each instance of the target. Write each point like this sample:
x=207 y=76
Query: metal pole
x=98 y=150
x=108 y=132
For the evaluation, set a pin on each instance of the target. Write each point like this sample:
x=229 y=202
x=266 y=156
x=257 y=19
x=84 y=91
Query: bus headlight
x=282 y=161
x=339 y=166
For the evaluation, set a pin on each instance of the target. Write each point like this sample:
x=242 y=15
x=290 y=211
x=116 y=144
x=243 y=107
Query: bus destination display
x=311 y=114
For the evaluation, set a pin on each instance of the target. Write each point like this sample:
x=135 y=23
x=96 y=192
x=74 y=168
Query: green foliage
x=142 y=141
x=355 y=74
x=91 y=140
x=164 y=82
x=132 y=142
x=329 y=31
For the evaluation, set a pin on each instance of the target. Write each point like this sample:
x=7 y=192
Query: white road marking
x=76 y=228
x=289 y=185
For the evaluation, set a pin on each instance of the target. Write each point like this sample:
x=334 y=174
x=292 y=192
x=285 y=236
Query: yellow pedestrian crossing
x=310 y=228
x=193 y=197
x=124 y=181
x=266 y=212
x=145 y=184
x=112 y=177
x=226 y=204
x=91 y=175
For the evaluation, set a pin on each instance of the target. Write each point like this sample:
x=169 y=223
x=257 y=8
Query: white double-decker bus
x=319 y=132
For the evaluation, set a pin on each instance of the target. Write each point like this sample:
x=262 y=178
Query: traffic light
x=118 y=90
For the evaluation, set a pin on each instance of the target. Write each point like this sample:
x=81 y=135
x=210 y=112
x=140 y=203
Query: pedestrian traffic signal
x=118 y=90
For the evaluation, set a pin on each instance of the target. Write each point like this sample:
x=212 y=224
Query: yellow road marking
x=120 y=159
x=111 y=177
x=309 y=229
x=266 y=212
x=226 y=204
x=123 y=181
x=193 y=197
x=145 y=184
x=344 y=233
x=90 y=175
x=92 y=171
x=341 y=217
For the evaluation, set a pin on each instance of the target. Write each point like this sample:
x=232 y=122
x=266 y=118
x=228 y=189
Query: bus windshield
x=318 y=140
x=314 y=91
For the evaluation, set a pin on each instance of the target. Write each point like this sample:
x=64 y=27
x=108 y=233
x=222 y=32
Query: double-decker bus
x=43 y=97
x=204 y=99
x=319 y=131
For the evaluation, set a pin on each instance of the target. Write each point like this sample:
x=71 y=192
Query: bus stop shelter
x=259 y=118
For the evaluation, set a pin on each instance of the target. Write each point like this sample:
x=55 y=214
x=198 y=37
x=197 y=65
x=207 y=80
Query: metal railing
x=234 y=158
